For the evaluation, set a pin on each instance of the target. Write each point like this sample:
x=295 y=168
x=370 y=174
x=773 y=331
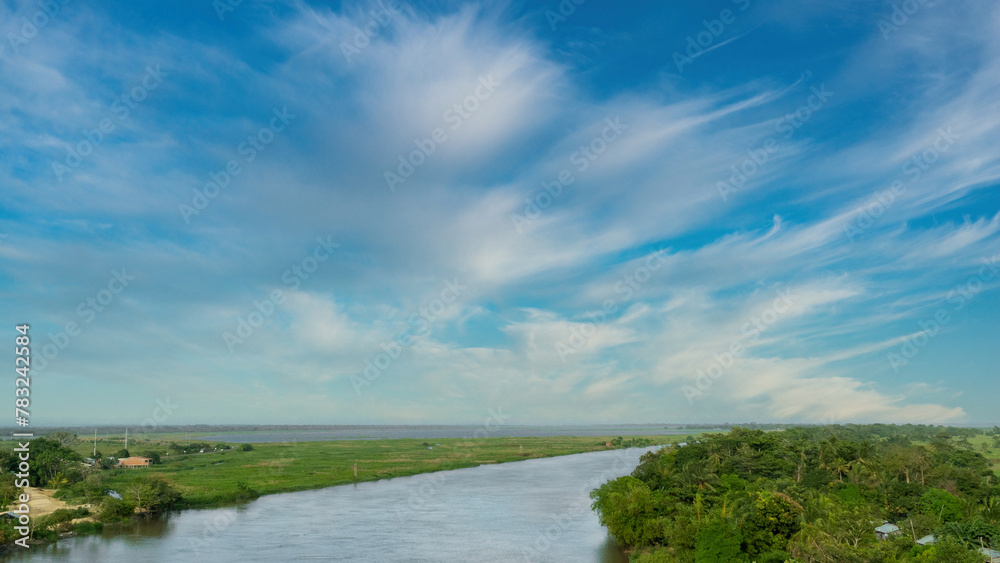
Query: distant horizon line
x=215 y=427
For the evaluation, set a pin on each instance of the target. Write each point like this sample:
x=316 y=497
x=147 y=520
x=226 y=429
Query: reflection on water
x=535 y=510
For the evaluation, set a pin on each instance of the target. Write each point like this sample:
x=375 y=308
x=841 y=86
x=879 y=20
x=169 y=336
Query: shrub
x=661 y=555
x=114 y=510
x=87 y=528
x=719 y=542
x=244 y=492
x=66 y=514
x=44 y=533
x=246 y=447
x=7 y=533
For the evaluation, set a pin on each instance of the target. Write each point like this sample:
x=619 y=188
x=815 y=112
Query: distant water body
x=535 y=511
x=437 y=432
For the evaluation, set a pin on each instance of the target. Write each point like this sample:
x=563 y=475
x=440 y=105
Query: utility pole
x=95 y=443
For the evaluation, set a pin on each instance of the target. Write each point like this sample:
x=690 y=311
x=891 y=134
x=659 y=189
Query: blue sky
x=593 y=213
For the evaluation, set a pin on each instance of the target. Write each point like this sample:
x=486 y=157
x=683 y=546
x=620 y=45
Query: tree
x=772 y=521
x=151 y=493
x=990 y=511
x=942 y=504
x=719 y=542
x=628 y=509
x=8 y=492
x=698 y=475
x=122 y=454
x=64 y=438
x=851 y=525
x=114 y=510
x=660 y=555
x=948 y=551
x=48 y=459
x=817 y=492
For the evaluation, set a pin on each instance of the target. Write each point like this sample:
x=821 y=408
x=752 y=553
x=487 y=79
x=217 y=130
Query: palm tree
x=715 y=459
x=827 y=452
x=842 y=467
x=747 y=456
x=991 y=510
x=697 y=474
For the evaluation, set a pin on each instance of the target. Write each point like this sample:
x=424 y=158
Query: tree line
x=809 y=495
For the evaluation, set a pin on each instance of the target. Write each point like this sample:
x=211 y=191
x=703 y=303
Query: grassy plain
x=990 y=452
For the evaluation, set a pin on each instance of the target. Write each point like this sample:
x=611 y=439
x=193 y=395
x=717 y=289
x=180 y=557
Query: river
x=536 y=510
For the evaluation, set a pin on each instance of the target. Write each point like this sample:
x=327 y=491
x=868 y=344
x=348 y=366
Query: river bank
x=214 y=478
x=537 y=510
x=218 y=474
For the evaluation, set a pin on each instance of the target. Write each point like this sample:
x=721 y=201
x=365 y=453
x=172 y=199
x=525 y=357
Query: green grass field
x=211 y=478
x=991 y=452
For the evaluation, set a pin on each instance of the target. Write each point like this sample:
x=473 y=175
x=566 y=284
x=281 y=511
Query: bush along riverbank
x=840 y=494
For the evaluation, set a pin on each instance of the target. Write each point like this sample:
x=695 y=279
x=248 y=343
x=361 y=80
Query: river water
x=528 y=511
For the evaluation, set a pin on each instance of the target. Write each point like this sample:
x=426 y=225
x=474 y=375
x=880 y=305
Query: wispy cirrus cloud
x=653 y=189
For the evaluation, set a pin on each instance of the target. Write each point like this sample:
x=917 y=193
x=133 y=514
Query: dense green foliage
x=808 y=494
x=52 y=463
x=637 y=442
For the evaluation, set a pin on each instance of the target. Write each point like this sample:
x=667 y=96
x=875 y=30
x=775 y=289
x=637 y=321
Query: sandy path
x=40 y=502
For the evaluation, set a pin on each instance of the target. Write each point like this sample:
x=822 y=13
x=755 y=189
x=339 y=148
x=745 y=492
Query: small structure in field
x=134 y=461
x=886 y=530
x=927 y=540
x=992 y=554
